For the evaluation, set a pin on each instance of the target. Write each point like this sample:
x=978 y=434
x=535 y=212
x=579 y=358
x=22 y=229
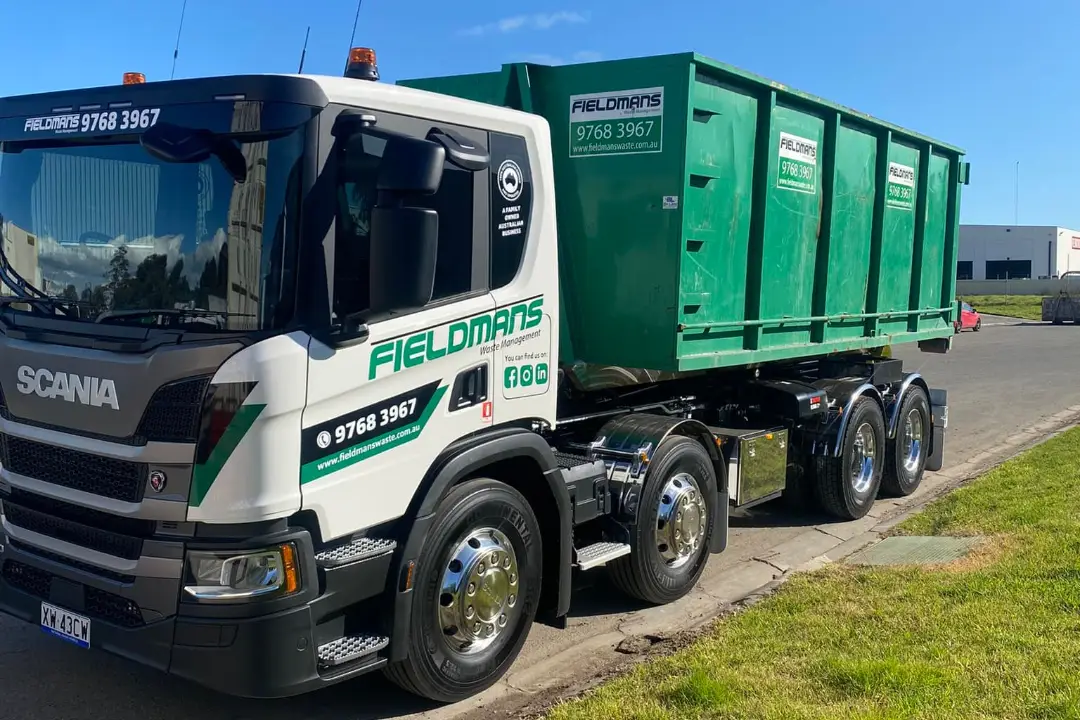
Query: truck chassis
x=639 y=480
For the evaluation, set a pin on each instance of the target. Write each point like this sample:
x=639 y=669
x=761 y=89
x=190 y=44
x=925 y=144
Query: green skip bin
x=709 y=218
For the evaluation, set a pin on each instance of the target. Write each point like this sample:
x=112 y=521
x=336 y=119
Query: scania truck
x=305 y=377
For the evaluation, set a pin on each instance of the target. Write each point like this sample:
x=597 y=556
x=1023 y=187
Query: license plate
x=65 y=625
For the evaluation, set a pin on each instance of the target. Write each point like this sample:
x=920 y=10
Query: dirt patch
x=983 y=555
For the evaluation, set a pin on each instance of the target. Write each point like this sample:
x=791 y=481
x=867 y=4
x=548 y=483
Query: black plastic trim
x=266 y=88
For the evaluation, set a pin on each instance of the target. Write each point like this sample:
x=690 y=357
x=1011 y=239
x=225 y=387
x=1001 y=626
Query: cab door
x=379 y=413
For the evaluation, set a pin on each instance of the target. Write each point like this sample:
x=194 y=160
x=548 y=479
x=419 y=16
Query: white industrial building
x=1002 y=252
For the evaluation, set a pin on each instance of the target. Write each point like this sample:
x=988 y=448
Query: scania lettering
x=73 y=388
x=399 y=364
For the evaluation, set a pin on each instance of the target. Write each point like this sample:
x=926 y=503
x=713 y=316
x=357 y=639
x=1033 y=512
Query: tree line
x=153 y=285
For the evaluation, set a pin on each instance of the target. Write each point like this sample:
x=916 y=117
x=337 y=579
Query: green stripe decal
x=205 y=474
x=322 y=467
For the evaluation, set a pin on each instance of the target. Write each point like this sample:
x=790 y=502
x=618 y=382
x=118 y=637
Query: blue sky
x=997 y=77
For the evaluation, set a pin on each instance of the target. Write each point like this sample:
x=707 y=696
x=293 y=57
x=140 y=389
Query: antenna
x=176 y=50
x=303 y=53
x=352 y=38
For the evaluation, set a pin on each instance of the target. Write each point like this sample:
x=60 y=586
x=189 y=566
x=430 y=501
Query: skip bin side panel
x=721 y=132
x=897 y=239
x=619 y=186
x=933 y=262
x=852 y=226
x=792 y=224
x=487 y=88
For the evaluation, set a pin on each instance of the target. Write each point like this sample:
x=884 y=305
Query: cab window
x=461 y=267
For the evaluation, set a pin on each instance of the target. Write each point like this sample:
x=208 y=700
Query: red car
x=969 y=319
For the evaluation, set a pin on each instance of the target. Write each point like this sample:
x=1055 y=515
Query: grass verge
x=996 y=635
x=1025 y=307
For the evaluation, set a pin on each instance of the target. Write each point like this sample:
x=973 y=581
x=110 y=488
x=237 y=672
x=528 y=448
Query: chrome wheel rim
x=863 y=458
x=681 y=520
x=912 y=444
x=478 y=591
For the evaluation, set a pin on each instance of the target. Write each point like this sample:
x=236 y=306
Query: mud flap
x=719 y=540
x=939 y=420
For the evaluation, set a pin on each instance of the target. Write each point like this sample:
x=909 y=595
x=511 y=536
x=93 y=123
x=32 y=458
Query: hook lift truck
x=361 y=375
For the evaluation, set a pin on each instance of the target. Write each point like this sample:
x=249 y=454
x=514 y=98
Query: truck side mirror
x=404 y=248
x=404 y=237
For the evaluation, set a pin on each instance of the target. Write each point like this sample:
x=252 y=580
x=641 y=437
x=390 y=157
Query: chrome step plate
x=345 y=650
x=360 y=549
x=600 y=553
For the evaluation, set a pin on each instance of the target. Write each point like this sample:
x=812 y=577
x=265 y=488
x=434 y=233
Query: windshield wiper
x=120 y=316
x=24 y=289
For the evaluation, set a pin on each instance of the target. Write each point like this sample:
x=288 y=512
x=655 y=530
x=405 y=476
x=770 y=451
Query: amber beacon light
x=362 y=65
x=134 y=78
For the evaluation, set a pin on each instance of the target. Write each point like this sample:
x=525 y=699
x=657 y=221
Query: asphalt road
x=1000 y=380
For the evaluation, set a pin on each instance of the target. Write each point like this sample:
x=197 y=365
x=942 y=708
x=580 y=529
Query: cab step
x=600 y=553
x=355 y=551
x=346 y=649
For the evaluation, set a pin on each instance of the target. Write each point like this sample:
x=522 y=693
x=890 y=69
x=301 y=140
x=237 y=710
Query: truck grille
x=174 y=412
x=72 y=563
x=103 y=541
x=98 y=604
x=108 y=477
x=172 y=416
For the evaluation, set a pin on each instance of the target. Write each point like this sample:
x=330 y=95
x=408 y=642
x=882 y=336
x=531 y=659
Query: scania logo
x=85 y=389
x=158 y=481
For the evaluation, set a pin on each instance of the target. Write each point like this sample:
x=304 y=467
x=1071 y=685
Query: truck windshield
x=120 y=231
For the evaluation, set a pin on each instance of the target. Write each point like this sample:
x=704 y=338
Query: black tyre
x=676 y=520
x=847 y=486
x=905 y=456
x=978 y=325
x=476 y=588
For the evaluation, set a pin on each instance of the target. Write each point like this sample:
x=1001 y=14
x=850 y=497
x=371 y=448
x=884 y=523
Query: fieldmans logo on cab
x=414 y=350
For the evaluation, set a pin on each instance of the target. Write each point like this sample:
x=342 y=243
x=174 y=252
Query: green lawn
x=996 y=635
x=1026 y=307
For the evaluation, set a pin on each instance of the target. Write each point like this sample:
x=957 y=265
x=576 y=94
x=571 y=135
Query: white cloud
x=582 y=56
x=538 y=21
x=82 y=265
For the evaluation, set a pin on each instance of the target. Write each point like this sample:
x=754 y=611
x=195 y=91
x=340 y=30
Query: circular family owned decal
x=510 y=180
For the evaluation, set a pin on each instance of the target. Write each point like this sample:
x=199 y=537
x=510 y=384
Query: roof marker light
x=362 y=64
x=134 y=78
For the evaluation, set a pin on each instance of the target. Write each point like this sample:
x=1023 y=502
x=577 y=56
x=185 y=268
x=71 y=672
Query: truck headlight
x=217 y=577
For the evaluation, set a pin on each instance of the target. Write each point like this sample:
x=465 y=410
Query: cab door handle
x=470 y=387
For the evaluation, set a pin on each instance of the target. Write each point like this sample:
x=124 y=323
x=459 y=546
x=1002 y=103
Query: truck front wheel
x=670 y=540
x=847 y=486
x=906 y=457
x=476 y=589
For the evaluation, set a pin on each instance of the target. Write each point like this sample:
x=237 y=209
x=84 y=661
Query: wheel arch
x=852 y=389
x=628 y=443
x=892 y=412
x=523 y=460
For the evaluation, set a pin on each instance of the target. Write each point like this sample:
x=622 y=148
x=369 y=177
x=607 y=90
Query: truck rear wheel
x=676 y=520
x=905 y=458
x=847 y=486
x=476 y=589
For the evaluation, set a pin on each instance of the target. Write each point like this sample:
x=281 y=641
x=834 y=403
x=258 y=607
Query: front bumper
x=230 y=649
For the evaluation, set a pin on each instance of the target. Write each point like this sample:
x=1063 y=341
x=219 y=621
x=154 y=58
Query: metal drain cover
x=917 y=550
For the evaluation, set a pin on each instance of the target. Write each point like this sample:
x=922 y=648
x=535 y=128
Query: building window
x=964 y=270
x=1008 y=269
